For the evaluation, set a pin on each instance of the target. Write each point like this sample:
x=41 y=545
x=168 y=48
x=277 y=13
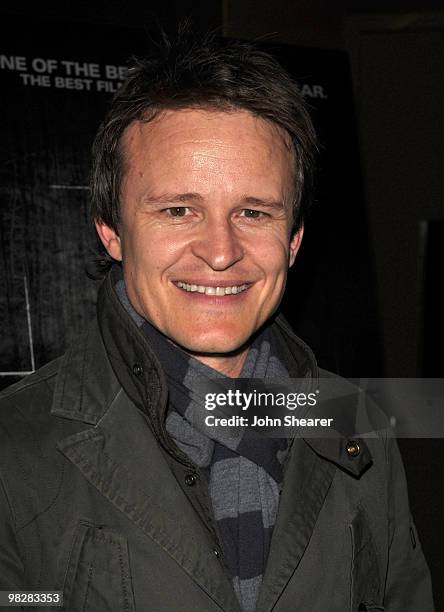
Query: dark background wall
x=396 y=54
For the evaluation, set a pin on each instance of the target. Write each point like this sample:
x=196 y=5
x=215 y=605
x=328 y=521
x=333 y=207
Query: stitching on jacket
x=51 y=503
x=125 y=578
x=77 y=532
x=22 y=548
x=90 y=573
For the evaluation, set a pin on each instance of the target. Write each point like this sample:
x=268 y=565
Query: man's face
x=205 y=225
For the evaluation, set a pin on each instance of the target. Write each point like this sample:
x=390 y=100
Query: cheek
x=151 y=251
x=273 y=255
x=274 y=263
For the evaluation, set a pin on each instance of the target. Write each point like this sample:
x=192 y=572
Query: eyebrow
x=174 y=198
x=264 y=202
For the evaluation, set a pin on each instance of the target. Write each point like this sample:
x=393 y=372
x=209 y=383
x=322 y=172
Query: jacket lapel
x=121 y=458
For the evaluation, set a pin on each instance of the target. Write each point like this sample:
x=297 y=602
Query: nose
x=218 y=245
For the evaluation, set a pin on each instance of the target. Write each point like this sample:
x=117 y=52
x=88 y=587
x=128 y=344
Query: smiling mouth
x=207 y=290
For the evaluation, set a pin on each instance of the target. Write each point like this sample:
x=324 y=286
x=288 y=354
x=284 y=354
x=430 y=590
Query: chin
x=213 y=345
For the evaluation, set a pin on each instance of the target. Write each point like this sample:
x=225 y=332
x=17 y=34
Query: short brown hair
x=212 y=73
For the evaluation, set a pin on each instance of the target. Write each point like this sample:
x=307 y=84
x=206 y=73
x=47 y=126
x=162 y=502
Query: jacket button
x=137 y=369
x=353 y=448
x=216 y=552
x=190 y=479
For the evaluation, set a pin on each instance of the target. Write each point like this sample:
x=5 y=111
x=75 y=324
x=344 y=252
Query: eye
x=251 y=213
x=177 y=211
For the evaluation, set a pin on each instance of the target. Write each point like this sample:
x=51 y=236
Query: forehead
x=194 y=142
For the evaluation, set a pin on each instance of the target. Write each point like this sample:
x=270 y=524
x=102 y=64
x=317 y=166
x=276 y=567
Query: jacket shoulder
x=29 y=398
x=25 y=407
x=31 y=468
x=41 y=379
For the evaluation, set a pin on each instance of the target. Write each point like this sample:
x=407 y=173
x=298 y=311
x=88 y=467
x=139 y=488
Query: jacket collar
x=111 y=354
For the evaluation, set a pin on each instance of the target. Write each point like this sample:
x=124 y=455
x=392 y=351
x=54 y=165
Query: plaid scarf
x=244 y=474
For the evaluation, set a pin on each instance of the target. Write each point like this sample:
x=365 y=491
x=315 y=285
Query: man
x=110 y=491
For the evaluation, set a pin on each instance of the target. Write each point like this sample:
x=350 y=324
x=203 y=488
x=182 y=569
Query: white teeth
x=219 y=291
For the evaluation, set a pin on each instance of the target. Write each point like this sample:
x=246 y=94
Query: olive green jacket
x=98 y=502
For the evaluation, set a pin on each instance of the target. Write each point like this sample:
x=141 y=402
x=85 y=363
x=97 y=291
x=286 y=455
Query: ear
x=110 y=239
x=295 y=243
